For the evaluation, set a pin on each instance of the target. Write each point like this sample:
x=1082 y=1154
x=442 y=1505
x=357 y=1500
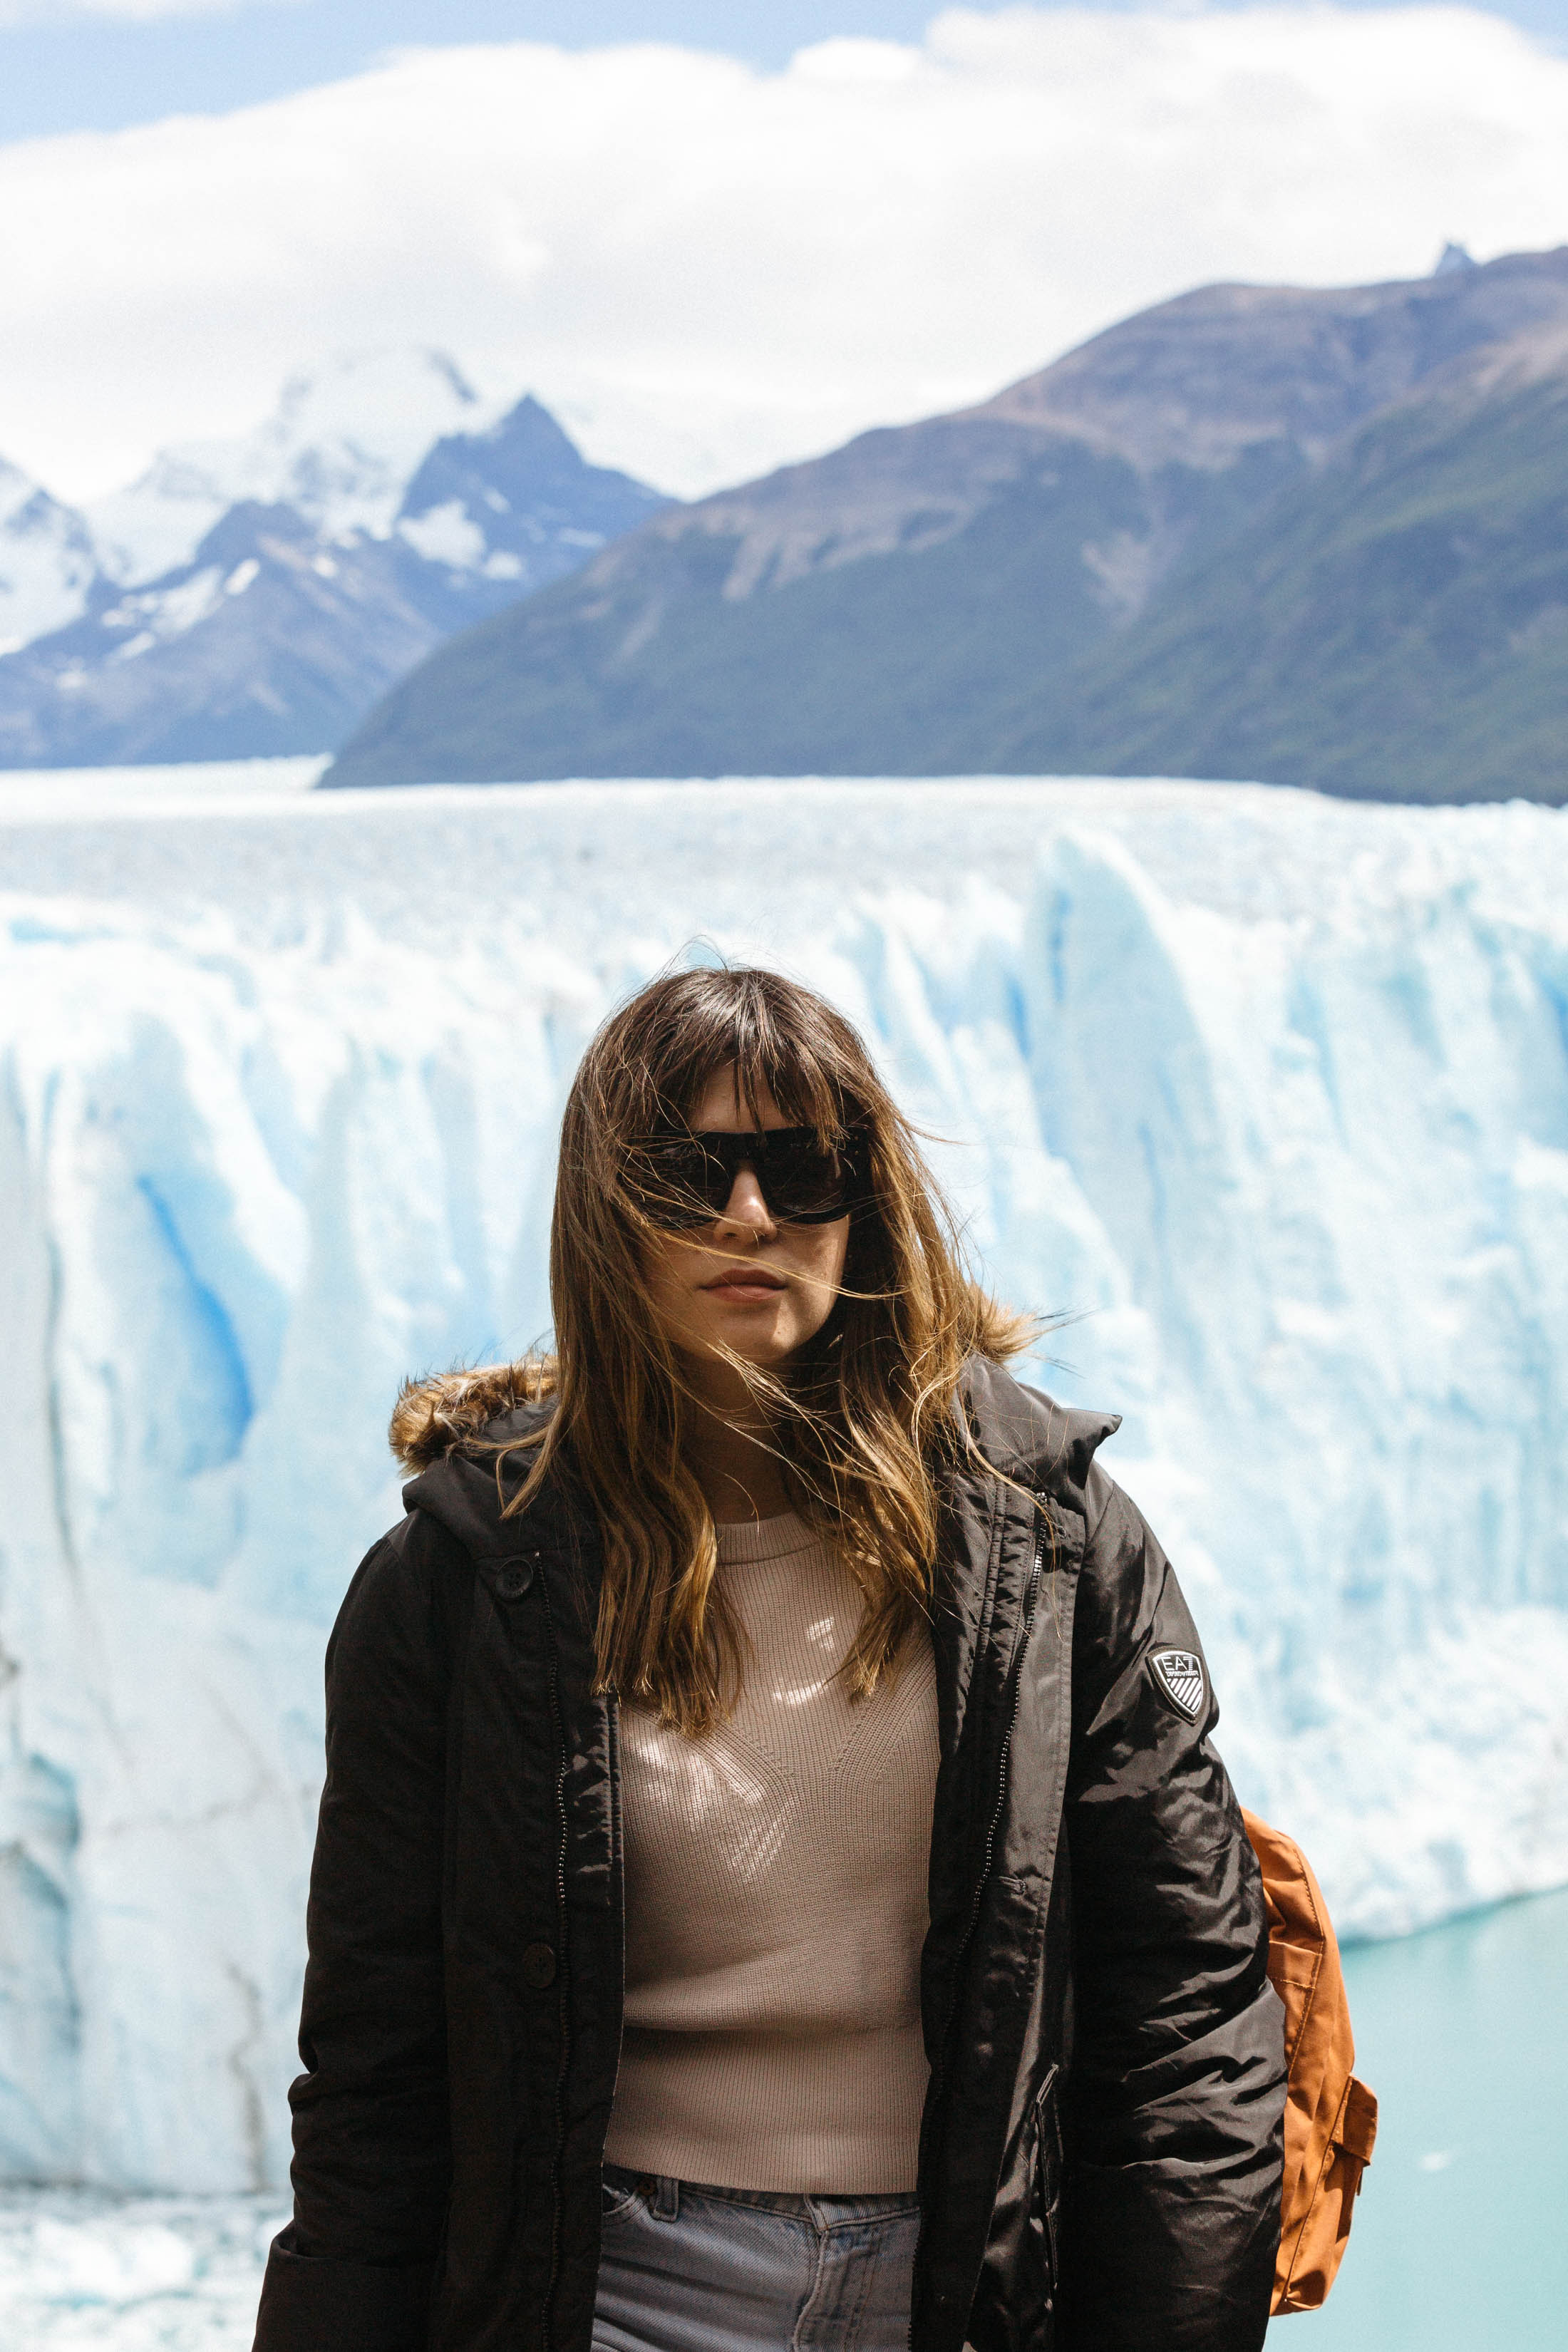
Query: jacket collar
x=1025 y=1437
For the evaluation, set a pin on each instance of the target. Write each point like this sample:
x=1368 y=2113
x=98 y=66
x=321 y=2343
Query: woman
x=775 y=1883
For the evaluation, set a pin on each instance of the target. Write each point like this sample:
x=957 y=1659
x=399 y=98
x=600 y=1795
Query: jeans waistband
x=665 y=2194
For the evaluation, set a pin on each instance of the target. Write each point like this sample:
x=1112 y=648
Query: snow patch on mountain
x=157 y=614
x=448 y=534
x=1272 y=1091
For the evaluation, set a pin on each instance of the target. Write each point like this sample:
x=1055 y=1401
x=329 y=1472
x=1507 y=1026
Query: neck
x=729 y=1447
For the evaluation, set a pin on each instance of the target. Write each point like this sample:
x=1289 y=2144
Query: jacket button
x=513 y=1577
x=538 y=1966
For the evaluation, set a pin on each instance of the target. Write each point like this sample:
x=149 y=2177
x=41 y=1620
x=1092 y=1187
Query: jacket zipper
x=617 y=1850
x=612 y=1741
x=560 y=1976
x=1016 y=1674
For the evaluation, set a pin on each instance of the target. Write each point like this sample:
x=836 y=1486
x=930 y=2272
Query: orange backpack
x=1331 y=2119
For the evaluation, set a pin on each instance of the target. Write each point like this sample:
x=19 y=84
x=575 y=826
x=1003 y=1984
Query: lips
x=746 y=1282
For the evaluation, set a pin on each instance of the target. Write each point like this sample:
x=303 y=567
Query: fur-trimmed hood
x=452 y=1411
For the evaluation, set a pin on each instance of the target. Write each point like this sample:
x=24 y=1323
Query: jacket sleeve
x=1175 y=2102
x=351 y=2273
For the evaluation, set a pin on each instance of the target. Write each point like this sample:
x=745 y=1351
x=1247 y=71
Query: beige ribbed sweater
x=776 y=1902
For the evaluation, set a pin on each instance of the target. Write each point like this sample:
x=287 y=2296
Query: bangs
x=780 y=1043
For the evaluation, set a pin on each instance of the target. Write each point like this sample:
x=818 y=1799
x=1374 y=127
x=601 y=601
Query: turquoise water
x=1461 y=2237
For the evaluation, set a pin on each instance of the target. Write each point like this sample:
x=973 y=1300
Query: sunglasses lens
x=679 y=1183
x=802 y=1182
x=685 y=1181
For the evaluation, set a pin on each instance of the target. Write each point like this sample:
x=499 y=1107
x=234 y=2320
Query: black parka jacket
x=1101 y=2145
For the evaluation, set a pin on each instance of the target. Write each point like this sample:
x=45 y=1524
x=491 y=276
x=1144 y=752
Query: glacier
x=1268 y=1092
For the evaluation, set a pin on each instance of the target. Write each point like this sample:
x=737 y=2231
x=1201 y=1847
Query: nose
x=746 y=1211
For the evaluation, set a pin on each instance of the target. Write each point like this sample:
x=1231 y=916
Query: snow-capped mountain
x=257 y=596
x=47 y=561
x=339 y=449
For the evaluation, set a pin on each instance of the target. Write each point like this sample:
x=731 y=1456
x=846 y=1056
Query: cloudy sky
x=711 y=236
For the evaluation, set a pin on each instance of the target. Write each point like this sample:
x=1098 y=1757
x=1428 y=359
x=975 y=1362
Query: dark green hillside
x=880 y=666
x=1396 y=628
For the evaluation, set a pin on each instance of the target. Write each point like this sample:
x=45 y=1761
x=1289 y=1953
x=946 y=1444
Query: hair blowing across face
x=864 y=1417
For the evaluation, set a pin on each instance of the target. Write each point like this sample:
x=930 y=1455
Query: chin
x=762 y=1348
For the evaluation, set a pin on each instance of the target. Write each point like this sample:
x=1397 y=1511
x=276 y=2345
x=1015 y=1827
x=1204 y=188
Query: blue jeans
x=686 y=2268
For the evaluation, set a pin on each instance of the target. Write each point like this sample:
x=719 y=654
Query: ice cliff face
x=1274 y=1090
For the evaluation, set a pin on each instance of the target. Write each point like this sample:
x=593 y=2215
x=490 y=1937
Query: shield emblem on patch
x=1180 y=1674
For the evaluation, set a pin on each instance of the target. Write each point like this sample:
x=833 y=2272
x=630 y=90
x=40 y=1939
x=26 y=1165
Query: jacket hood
x=450 y=1430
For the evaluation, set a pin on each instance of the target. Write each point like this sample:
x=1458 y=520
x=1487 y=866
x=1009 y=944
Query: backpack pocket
x=1320 y=2242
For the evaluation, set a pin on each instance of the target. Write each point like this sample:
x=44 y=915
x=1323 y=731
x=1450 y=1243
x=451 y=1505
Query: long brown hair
x=864 y=1417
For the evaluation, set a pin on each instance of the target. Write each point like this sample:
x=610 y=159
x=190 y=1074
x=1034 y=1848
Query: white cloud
x=710 y=269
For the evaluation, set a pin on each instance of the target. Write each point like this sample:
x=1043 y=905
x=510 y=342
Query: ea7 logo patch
x=1180 y=1674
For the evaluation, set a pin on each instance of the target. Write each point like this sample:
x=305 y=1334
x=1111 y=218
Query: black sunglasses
x=687 y=1179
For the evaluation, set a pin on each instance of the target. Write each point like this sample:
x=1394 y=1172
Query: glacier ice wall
x=1273 y=1093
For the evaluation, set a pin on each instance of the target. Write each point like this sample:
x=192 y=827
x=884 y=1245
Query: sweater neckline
x=743 y=1542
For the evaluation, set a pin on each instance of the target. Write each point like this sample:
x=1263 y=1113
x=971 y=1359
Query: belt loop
x=665 y=2204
